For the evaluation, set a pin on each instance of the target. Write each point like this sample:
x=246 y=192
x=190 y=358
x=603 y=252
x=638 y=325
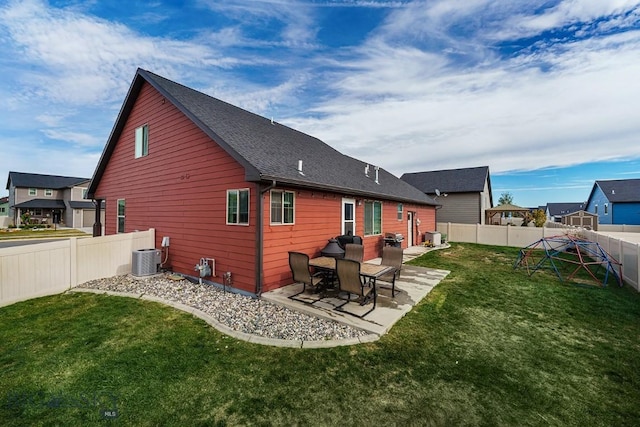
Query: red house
x=227 y=184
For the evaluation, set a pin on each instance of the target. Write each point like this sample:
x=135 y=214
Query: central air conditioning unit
x=145 y=262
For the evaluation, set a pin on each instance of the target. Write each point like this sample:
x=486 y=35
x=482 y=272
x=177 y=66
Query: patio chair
x=299 y=264
x=351 y=282
x=392 y=256
x=354 y=252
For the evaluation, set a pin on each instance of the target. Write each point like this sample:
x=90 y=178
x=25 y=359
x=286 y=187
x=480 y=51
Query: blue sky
x=544 y=92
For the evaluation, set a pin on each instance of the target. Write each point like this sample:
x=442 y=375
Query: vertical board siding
x=180 y=190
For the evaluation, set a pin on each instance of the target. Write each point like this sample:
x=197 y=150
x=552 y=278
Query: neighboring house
x=555 y=211
x=227 y=184
x=4 y=206
x=50 y=199
x=615 y=201
x=464 y=194
x=4 y=212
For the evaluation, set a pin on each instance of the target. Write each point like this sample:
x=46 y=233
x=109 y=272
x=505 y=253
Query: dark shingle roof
x=4 y=199
x=621 y=190
x=559 y=209
x=469 y=180
x=35 y=180
x=268 y=150
x=75 y=204
x=41 y=204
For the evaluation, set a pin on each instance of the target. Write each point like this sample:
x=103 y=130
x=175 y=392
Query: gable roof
x=619 y=190
x=559 y=209
x=467 y=180
x=4 y=200
x=266 y=149
x=35 y=180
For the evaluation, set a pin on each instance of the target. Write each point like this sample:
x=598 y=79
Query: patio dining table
x=371 y=271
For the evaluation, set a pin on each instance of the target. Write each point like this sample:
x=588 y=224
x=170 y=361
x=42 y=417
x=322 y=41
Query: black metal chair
x=299 y=264
x=353 y=283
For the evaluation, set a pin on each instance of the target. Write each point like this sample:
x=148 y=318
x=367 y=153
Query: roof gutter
x=260 y=234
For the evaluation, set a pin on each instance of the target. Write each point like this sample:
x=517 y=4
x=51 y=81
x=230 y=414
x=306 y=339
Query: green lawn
x=41 y=233
x=488 y=346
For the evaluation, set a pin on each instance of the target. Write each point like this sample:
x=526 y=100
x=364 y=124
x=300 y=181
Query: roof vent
x=300 y=167
x=366 y=170
x=613 y=191
x=377 y=168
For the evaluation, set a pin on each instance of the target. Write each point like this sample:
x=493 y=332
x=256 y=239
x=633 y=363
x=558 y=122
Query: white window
x=121 y=211
x=238 y=207
x=33 y=191
x=596 y=209
x=348 y=217
x=400 y=211
x=372 y=218
x=606 y=208
x=282 y=207
x=142 y=141
x=48 y=192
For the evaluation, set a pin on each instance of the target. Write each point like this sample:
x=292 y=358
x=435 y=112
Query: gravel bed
x=238 y=312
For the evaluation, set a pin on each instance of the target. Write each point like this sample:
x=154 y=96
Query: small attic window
x=142 y=141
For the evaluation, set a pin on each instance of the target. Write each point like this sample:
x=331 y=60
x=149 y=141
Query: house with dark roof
x=464 y=194
x=50 y=199
x=615 y=201
x=555 y=211
x=226 y=184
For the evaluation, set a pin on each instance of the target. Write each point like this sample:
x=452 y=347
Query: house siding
x=461 y=208
x=598 y=198
x=625 y=213
x=318 y=218
x=180 y=189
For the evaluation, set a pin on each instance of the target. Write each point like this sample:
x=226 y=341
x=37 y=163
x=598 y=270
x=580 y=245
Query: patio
x=412 y=286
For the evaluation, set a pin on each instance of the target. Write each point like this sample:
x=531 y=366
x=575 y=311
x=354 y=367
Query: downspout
x=260 y=235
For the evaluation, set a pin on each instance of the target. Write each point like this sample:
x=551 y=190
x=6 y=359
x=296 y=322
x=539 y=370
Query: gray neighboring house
x=555 y=211
x=465 y=194
x=48 y=198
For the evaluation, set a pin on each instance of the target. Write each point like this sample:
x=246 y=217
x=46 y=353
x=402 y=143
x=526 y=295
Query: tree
x=539 y=217
x=506 y=198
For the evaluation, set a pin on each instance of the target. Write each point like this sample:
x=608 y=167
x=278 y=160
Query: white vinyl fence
x=628 y=253
x=32 y=271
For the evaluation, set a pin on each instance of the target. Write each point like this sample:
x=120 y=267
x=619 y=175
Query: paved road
x=12 y=243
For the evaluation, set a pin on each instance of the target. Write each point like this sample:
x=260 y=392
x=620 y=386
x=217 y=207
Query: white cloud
x=509 y=114
x=84 y=59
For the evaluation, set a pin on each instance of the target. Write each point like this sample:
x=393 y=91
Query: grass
x=8 y=234
x=488 y=346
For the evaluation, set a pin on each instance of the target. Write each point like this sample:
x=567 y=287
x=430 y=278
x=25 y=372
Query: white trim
x=282 y=192
x=346 y=201
x=226 y=211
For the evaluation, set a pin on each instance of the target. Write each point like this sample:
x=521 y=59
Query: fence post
x=477 y=233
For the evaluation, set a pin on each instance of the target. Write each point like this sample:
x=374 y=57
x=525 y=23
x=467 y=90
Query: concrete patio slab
x=412 y=286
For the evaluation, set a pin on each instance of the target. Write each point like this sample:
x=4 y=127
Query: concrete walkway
x=412 y=286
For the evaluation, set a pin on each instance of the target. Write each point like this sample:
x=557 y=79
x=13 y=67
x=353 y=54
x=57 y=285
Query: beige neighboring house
x=464 y=194
x=50 y=199
x=4 y=212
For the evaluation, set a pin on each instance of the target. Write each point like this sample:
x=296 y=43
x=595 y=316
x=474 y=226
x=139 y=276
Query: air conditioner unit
x=145 y=262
